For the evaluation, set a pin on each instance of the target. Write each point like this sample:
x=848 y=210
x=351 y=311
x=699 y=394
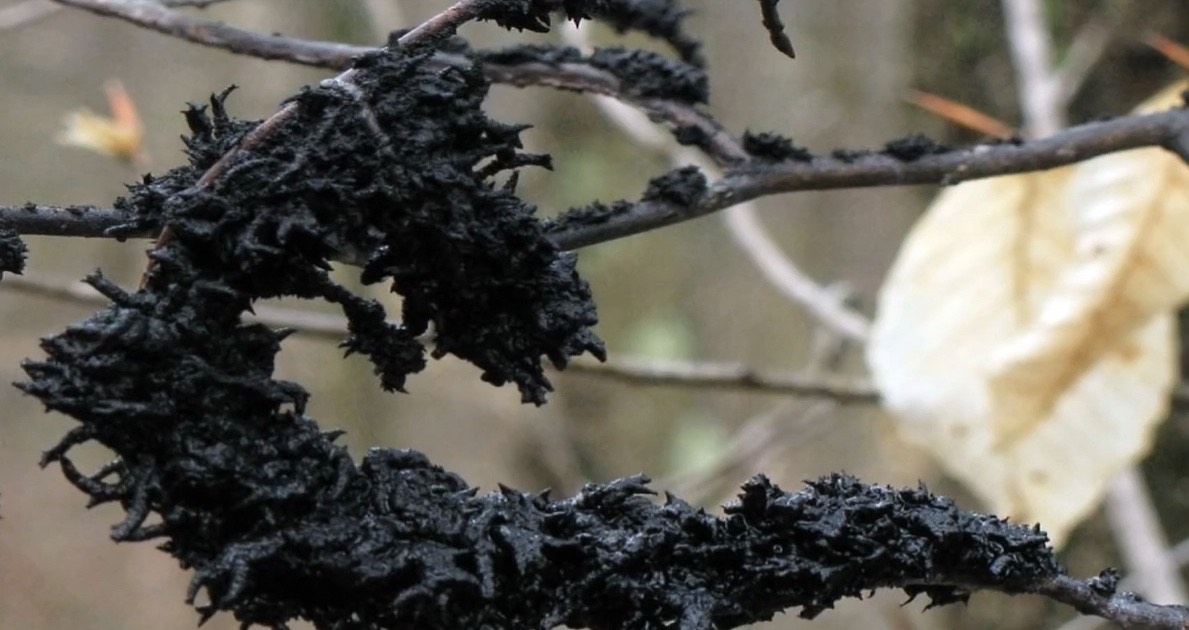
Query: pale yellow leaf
x=1130 y=212
x=121 y=136
x=973 y=274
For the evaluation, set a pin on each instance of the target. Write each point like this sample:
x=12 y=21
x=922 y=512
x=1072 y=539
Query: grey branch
x=78 y=221
x=1124 y=609
x=753 y=180
x=728 y=376
x=162 y=19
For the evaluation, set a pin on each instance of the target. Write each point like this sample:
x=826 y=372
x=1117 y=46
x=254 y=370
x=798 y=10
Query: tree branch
x=731 y=376
x=76 y=221
x=1097 y=597
x=157 y=17
x=1040 y=87
x=756 y=180
x=741 y=221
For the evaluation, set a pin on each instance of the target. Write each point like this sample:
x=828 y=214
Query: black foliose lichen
x=12 y=251
x=771 y=147
x=662 y=19
x=684 y=187
x=215 y=457
x=914 y=147
x=396 y=169
x=641 y=73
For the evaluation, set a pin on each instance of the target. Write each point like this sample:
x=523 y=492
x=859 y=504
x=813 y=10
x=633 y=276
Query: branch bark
x=754 y=180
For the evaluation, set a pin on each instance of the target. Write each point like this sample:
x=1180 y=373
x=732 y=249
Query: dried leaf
x=989 y=267
x=121 y=136
x=1130 y=211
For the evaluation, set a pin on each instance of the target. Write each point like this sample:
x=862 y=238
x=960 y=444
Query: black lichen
x=398 y=170
x=535 y=15
x=914 y=147
x=278 y=524
x=12 y=251
x=594 y=213
x=684 y=187
x=662 y=19
x=771 y=147
x=218 y=460
x=642 y=73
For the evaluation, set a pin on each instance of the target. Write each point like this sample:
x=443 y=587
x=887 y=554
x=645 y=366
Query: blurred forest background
x=685 y=292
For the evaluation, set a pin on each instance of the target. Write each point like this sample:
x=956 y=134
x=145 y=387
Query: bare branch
x=745 y=227
x=828 y=173
x=733 y=376
x=445 y=22
x=1141 y=539
x=77 y=221
x=159 y=18
x=318 y=325
x=752 y=181
x=1084 y=53
x=1040 y=89
x=771 y=21
x=1125 y=609
x=712 y=375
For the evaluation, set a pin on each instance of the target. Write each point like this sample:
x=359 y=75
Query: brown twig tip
x=1175 y=52
x=776 y=34
x=960 y=114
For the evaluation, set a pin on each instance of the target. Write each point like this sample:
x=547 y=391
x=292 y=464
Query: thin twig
x=71 y=221
x=829 y=173
x=1142 y=541
x=158 y=17
x=1032 y=56
x=694 y=374
x=744 y=225
x=767 y=439
x=771 y=435
x=704 y=374
x=776 y=34
x=1124 y=609
x=309 y=323
x=1084 y=53
x=445 y=22
x=731 y=376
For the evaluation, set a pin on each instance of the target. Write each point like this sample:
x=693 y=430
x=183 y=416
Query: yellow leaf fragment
x=975 y=272
x=1025 y=334
x=1130 y=214
x=121 y=136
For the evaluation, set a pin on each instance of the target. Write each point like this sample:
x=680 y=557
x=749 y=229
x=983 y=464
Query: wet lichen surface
x=398 y=168
x=12 y=251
